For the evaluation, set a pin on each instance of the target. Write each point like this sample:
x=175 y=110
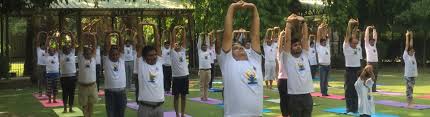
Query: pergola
x=157 y=9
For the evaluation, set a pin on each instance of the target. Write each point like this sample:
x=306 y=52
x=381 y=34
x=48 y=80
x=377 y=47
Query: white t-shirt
x=179 y=63
x=313 y=56
x=282 y=70
x=87 y=69
x=352 y=56
x=52 y=64
x=411 y=69
x=135 y=64
x=324 y=54
x=371 y=52
x=204 y=59
x=270 y=53
x=151 y=81
x=165 y=56
x=98 y=56
x=114 y=73
x=299 y=74
x=68 y=64
x=213 y=54
x=243 y=84
x=40 y=56
x=129 y=53
x=365 y=105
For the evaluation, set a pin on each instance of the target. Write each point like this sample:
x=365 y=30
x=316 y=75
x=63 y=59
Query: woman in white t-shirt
x=411 y=70
x=151 y=79
x=68 y=69
x=363 y=86
x=242 y=72
x=41 y=65
x=52 y=68
x=269 y=58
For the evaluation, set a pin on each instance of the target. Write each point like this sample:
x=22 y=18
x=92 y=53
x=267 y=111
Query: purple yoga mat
x=132 y=105
x=172 y=114
x=401 y=104
x=390 y=93
x=210 y=101
x=43 y=97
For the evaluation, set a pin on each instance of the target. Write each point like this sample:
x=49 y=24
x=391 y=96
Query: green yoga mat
x=77 y=113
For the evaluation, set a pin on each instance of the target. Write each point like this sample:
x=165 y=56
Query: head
x=204 y=47
x=51 y=51
x=114 y=53
x=323 y=42
x=411 y=51
x=178 y=45
x=128 y=43
x=150 y=54
x=167 y=45
x=296 y=47
x=88 y=51
x=294 y=6
x=371 y=39
x=367 y=72
x=247 y=45
x=239 y=52
x=269 y=42
x=353 y=42
x=67 y=49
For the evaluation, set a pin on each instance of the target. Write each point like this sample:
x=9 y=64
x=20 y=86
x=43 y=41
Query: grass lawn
x=20 y=103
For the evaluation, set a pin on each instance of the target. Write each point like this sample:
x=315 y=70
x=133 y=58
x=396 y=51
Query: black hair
x=114 y=48
x=167 y=43
x=147 y=49
x=294 y=6
x=410 y=48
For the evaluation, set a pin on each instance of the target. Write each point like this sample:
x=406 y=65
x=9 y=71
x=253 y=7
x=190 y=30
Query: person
x=213 y=57
x=52 y=67
x=270 y=58
x=68 y=70
x=99 y=68
x=204 y=65
x=150 y=70
x=313 y=58
x=129 y=58
x=167 y=63
x=136 y=38
x=324 y=56
x=282 y=75
x=352 y=63
x=179 y=70
x=300 y=85
x=370 y=39
x=115 y=76
x=242 y=72
x=87 y=92
x=41 y=63
x=363 y=86
x=411 y=70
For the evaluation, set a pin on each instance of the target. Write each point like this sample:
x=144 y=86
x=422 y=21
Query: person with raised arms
x=242 y=72
x=282 y=75
x=411 y=70
x=52 y=66
x=370 y=39
x=41 y=62
x=269 y=58
x=68 y=69
x=324 y=56
x=204 y=65
x=87 y=87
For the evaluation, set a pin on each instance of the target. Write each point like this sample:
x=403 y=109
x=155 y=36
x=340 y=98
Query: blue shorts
x=52 y=75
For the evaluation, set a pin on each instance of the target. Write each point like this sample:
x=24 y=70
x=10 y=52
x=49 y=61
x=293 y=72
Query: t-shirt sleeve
x=255 y=56
x=224 y=56
x=405 y=55
x=282 y=56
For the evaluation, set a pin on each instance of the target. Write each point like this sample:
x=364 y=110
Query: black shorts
x=180 y=85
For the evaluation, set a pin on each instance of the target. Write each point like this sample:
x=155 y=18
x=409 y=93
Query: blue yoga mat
x=215 y=90
x=343 y=111
x=264 y=110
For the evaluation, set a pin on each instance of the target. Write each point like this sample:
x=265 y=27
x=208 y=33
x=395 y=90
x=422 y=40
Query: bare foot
x=411 y=105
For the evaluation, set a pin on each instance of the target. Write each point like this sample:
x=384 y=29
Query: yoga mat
x=173 y=114
x=101 y=93
x=168 y=94
x=132 y=105
x=401 y=104
x=218 y=82
x=389 y=93
x=47 y=105
x=193 y=89
x=331 y=96
x=215 y=90
x=274 y=100
x=210 y=100
x=43 y=97
x=343 y=111
x=77 y=113
x=424 y=97
x=264 y=110
x=266 y=96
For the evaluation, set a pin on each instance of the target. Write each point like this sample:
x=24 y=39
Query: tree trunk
x=30 y=60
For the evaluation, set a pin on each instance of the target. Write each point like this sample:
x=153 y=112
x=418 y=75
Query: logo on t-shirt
x=52 y=62
x=374 y=50
x=313 y=51
x=168 y=53
x=181 y=59
x=152 y=75
x=67 y=59
x=326 y=53
x=413 y=62
x=115 y=67
x=251 y=76
x=355 y=52
x=128 y=51
x=206 y=57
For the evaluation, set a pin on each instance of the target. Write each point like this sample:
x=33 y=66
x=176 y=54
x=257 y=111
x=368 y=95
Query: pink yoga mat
x=390 y=93
x=424 y=97
x=101 y=93
x=43 y=97
x=172 y=114
x=210 y=101
x=331 y=96
x=47 y=105
x=132 y=105
x=401 y=104
x=266 y=96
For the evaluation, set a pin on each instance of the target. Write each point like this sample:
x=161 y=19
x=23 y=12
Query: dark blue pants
x=324 y=77
x=351 y=98
x=116 y=101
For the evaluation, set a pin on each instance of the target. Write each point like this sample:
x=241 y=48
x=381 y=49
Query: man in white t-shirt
x=180 y=72
x=242 y=72
x=129 y=59
x=167 y=66
x=204 y=66
x=40 y=70
x=352 y=55
x=411 y=70
x=52 y=69
x=87 y=93
x=324 y=57
x=68 y=71
x=99 y=69
x=282 y=75
x=313 y=58
x=115 y=78
x=213 y=57
x=150 y=73
x=269 y=59
x=370 y=39
x=300 y=85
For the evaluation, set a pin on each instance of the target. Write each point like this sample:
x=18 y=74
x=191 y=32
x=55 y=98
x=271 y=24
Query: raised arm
x=375 y=34
x=349 y=30
x=218 y=41
x=228 y=27
x=255 y=28
x=37 y=41
x=267 y=36
x=94 y=44
x=121 y=43
x=108 y=44
x=366 y=35
x=287 y=44
x=199 y=41
x=173 y=38
x=184 y=38
x=157 y=40
x=281 y=42
x=305 y=37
